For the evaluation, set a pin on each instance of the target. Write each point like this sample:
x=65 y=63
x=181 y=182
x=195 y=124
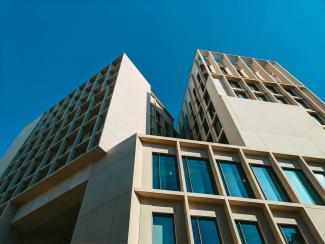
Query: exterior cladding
x=252 y=157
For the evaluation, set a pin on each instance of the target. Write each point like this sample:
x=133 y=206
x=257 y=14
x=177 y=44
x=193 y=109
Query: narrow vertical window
x=291 y=234
x=269 y=183
x=320 y=177
x=165 y=173
x=163 y=229
x=234 y=180
x=198 y=176
x=249 y=232
x=306 y=192
x=205 y=231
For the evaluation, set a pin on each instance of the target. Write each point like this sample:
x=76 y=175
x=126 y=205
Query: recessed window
x=261 y=98
x=201 y=113
x=304 y=189
x=320 y=177
x=165 y=173
x=291 y=234
x=205 y=231
x=198 y=176
x=206 y=98
x=163 y=231
x=253 y=86
x=282 y=100
x=269 y=183
x=218 y=60
x=223 y=70
x=234 y=179
x=272 y=89
x=302 y=103
x=317 y=118
x=217 y=126
x=249 y=232
x=290 y=91
x=223 y=139
x=241 y=95
x=205 y=127
x=211 y=110
x=234 y=84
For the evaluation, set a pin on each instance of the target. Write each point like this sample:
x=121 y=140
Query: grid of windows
x=261 y=80
x=65 y=132
x=230 y=193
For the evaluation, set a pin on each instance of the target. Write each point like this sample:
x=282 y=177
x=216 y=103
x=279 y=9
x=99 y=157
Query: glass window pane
x=163 y=229
x=249 y=232
x=269 y=183
x=209 y=231
x=155 y=166
x=291 y=234
x=195 y=228
x=306 y=193
x=165 y=174
x=198 y=176
x=321 y=178
x=234 y=180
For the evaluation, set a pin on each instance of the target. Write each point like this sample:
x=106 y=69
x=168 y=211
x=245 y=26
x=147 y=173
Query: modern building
x=104 y=165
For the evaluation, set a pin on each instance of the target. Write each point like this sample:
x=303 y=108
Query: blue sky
x=47 y=48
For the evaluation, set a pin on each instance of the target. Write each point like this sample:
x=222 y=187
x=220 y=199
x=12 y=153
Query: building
x=249 y=166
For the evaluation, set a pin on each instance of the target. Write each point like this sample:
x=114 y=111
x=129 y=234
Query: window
x=165 y=173
x=198 y=176
x=272 y=89
x=163 y=229
x=235 y=182
x=218 y=60
x=217 y=126
x=277 y=78
x=224 y=71
x=249 y=232
x=158 y=115
x=206 y=98
x=205 y=231
x=261 y=98
x=223 y=139
x=291 y=92
x=211 y=110
x=234 y=84
x=317 y=118
x=253 y=86
x=201 y=113
x=270 y=185
x=241 y=94
x=158 y=129
x=291 y=234
x=205 y=127
x=302 y=103
x=282 y=100
x=305 y=191
x=320 y=177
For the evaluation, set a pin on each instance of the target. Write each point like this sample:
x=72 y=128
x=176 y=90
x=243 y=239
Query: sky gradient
x=48 y=48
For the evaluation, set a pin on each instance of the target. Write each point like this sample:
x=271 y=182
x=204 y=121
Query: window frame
x=296 y=227
x=196 y=217
x=159 y=176
x=242 y=236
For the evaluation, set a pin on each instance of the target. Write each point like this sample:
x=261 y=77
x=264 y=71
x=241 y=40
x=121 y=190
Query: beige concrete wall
x=17 y=143
x=128 y=112
x=105 y=210
x=275 y=127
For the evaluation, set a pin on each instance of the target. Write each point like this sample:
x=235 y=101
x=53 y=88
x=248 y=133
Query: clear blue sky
x=47 y=48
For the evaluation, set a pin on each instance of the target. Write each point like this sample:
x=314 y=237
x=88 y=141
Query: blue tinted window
x=205 y=231
x=165 y=174
x=321 y=178
x=249 y=232
x=198 y=176
x=234 y=180
x=291 y=234
x=306 y=193
x=163 y=229
x=269 y=183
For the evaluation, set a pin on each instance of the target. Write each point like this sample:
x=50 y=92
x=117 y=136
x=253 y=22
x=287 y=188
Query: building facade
x=104 y=165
